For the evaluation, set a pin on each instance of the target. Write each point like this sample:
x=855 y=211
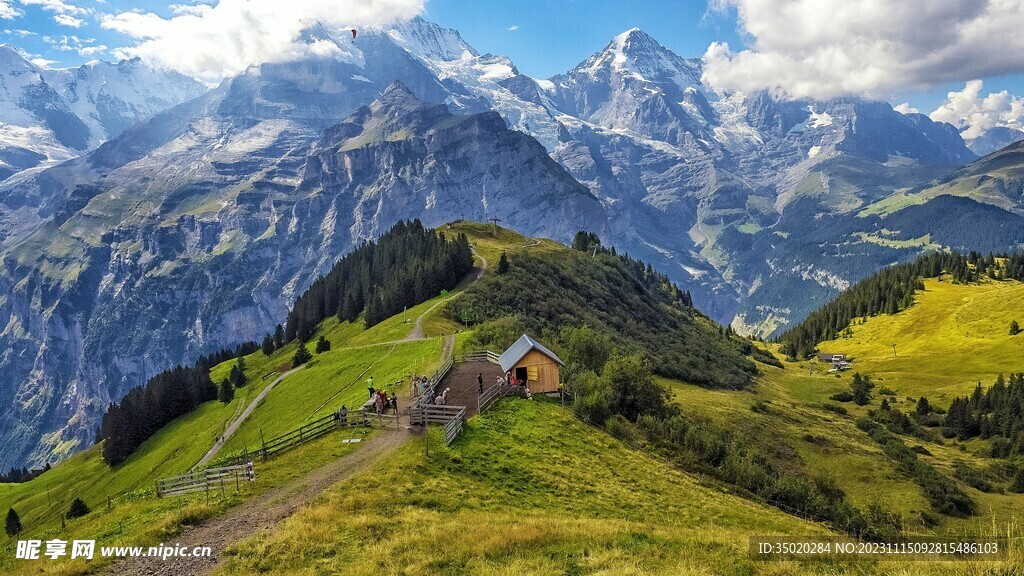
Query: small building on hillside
x=529 y=360
x=838 y=361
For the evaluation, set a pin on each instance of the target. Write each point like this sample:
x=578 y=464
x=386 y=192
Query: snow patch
x=819 y=120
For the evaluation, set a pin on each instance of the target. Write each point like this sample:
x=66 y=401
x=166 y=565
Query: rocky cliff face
x=194 y=229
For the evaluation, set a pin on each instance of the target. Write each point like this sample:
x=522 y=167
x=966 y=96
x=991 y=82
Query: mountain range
x=183 y=223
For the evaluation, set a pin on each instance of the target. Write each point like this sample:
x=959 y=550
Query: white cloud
x=906 y=108
x=42 y=62
x=58 y=6
x=825 y=48
x=975 y=114
x=88 y=51
x=8 y=12
x=513 y=28
x=68 y=20
x=230 y=35
x=19 y=32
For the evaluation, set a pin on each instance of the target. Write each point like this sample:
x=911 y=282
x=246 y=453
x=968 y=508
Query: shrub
x=842 y=397
x=78 y=509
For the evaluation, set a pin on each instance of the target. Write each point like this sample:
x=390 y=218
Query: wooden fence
x=206 y=480
x=310 y=431
x=452 y=428
x=492 y=394
x=479 y=356
x=428 y=394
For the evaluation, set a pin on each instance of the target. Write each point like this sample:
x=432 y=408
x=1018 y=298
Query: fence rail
x=204 y=480
x=307 y=432
x=428 y=394
x=452 y=428
x=480 y=356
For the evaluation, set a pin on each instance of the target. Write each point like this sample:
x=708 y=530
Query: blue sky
x=549 y=36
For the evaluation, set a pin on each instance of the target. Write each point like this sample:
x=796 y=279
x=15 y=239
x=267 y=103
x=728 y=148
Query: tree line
x=166 y=396
x=406 y=266
x=16 y=475
x=892 y=290
x=995 y=414
x=635 y=307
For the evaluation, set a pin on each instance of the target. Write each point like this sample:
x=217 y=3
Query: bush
x=835 y=408
x=78 y=509
x=943 y=494
x=842 y=397
x=1017 y=485
x=970 y=476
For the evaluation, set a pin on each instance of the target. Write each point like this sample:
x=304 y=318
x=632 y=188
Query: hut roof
x=520 y=349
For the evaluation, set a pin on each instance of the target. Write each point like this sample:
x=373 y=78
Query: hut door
x=521 y=374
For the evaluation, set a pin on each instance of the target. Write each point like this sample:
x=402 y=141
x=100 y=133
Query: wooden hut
x=529 y=360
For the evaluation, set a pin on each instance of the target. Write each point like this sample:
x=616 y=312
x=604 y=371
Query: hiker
x=500 y=382
x=370 y=386
x=394 y=403
x=379 y=402
x=343 y=414
x=480 y=382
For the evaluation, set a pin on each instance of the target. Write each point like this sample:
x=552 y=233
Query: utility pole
x=495 y=221
x=893 y=349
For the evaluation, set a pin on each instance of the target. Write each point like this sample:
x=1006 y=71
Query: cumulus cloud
x=975 y=114
x=825 y=48
x=68 y=20
x=8 y=12
x=906 y=108
x=224 y=38
x=87 y=51
x=513 y=28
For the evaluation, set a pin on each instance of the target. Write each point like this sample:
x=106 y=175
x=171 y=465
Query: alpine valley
x=146 y=220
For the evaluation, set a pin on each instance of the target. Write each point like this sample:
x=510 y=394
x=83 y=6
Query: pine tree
x=13 y=523
x=861 y=389
x=923 y=408
x=302 y=356
x=279 y=336
x=268 y=345
x=78 y=509
x=322 y=345
x=237 y=377
x=503 y=264
x=226 y=392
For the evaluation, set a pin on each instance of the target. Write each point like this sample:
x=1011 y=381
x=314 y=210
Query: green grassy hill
x=953 y=337
x=529 y=488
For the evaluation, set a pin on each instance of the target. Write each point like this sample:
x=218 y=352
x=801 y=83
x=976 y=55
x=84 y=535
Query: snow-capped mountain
x=195 y=228
x=51 y=115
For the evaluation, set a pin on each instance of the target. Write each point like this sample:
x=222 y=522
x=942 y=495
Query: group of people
x=442 y=398
x=509 y=378
x=381 y=402
x=420 y=384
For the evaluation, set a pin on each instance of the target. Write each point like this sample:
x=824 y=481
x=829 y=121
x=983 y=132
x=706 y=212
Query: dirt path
x=238 y=421
x=417 y=332
x=261 y=514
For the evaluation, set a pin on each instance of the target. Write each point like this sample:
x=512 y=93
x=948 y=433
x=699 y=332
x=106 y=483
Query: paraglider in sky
x=354 y=33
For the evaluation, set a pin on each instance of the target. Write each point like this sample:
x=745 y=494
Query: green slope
x=528 y=489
